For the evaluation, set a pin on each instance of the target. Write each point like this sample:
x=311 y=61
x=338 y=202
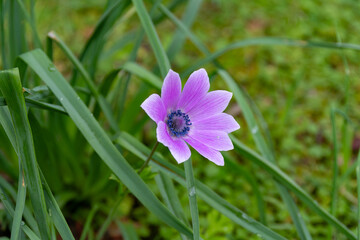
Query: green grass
x=73 y=136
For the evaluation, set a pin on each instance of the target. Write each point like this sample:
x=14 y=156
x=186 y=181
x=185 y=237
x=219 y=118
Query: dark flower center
x=178 y=123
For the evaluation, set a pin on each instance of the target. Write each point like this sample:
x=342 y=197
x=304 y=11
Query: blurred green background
x=294 y=89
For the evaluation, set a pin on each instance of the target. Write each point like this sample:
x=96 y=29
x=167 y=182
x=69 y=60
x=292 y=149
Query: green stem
x=190 y=183
x=358 y=192
x=149 y=158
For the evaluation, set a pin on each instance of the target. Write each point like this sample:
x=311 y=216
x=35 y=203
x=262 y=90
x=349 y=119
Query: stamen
x=178 y=123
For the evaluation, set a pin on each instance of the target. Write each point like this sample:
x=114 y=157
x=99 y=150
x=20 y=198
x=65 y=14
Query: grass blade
x=2 y=35
x=334 y=188
x=232 y=165
x=10 y=86
x=88 y=222
x=98 y=139
x=38 y=104
x=20 y=205
x=154 y=40
x=99 y=98
x=291 y=185
x=205 y=193
x=190 y=184
x=92 y=50
x=269 y=41
x=266 y=151
x=16 y=32
x=10 y=209
x=128 y=231
x=188 y=18
x=358 y=194
x=168 y=192
x=32 y=23
x=55 y=212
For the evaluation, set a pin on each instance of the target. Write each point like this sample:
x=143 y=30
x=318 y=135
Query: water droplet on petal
x=192 y=191
x=254 y=130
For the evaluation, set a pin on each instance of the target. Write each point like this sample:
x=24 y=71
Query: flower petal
x=213 y=103
x=154 y=107
x=222 y=122
x=217 y=140
x=178 y=148
x=194 y=90
x=171 y=90
x=207 y=152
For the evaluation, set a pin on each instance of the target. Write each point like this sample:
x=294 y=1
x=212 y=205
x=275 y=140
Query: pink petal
x=213 y=103
x=217 y=140
x=154 y=107
x=207 y=152
x=178 y=148
x=194 y=90
x=171 y=90
x=222 y=122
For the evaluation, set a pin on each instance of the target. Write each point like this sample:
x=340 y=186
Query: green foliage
x=73 y=137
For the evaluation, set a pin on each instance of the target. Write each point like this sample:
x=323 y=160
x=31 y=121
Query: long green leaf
x=10 y=209
x=20 y=205
x=55 y=212
x=291 y=185
x=269 y=41
x=266 y=151
x=154 y=40
x=205 y=193
x=188 y=18
x=358 y=194
x=16 y=32
x=190 y=184
x=92 y=50
x=4 y=57
x=10 y=86
x=98 y=139
x=99 y=98
x=38 y=104
x=334 y=187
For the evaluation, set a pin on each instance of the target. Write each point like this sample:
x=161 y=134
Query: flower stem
x=190 y=183
x=149 y=158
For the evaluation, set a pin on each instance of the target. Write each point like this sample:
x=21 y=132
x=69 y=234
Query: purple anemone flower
x=194 y=116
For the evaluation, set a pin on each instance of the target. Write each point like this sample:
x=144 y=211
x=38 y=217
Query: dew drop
x=50 y=213
x=192 y=191
x=259 y=236
x=61 y=99
x=254 y=130
x=78 y=98
x=51 y=67
x=22 y=223
x=244 y=216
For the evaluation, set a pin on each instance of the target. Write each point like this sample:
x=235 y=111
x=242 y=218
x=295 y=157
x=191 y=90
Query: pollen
x=178 y=123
